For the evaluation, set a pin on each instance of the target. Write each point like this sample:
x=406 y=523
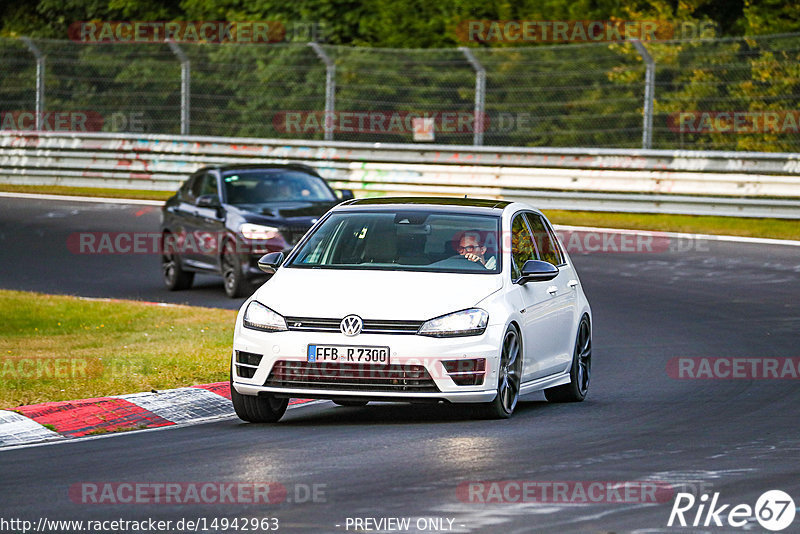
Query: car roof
x=430 y=202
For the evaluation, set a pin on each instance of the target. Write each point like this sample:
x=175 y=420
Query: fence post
x=330 y=89
x=649 y=93
x=480 y=92
x=185 y=85
x=39 y=80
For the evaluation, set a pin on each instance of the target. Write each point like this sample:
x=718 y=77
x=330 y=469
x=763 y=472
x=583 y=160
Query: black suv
x=224 y=218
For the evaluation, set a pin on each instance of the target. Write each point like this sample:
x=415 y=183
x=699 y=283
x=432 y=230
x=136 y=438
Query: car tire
x=175 y=278
x=351 y=404
x=236 y=285
x=509 y=377
x=579 y=372
x=258 y=409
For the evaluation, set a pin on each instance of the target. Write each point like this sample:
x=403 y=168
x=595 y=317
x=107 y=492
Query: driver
x=283 y=190
x=470 y=247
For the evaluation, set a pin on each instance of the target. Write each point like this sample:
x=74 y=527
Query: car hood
x=399 y=295
x=289 y=211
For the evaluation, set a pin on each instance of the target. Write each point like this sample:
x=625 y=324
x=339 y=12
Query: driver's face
x=469 y=245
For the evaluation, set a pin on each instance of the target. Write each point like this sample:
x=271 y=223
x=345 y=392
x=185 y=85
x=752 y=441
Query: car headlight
x=259 y=232
x=470 y=322
x=259 y=317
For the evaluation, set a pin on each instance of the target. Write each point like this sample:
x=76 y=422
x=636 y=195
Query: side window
x=546 y=242
x=557 y=247
x=185 y=192
x=204 y=184
x=523 y=247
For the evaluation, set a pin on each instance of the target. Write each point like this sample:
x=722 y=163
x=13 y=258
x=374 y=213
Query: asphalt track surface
x=735 y=437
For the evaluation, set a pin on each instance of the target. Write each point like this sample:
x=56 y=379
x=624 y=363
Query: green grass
x=87 y=191
x=62 y=348
x=696 y=224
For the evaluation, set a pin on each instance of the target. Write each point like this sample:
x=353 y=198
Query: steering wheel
x=459 y=258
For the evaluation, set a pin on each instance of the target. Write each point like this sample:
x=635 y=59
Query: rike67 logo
x=774 y=510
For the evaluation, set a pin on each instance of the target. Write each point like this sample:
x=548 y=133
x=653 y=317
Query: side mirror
x=208 y=201
x=269 y=263
x=537 y=271
x=346 y=194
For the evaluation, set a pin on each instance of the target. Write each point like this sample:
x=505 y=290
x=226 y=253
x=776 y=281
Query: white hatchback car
x=415 y=300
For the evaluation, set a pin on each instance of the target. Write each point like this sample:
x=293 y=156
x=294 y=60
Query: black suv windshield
x=263 y=186
x=413 y=240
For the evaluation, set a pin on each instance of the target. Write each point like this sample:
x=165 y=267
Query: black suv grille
x=350 y=376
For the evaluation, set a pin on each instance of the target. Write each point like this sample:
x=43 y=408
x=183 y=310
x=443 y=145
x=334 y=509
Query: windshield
x=413 y=240
x=263 y=186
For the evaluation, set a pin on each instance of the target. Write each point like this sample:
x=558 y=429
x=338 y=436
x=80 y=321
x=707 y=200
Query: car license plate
x=348 y=353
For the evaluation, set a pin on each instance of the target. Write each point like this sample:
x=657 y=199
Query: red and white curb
x=51 y=421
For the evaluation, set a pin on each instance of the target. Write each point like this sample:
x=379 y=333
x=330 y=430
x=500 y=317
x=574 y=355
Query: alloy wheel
x=509 y=379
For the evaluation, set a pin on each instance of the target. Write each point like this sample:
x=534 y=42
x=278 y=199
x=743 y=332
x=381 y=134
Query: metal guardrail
x=655 y=181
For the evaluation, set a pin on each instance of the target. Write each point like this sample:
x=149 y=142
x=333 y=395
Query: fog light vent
x=247 y=363
x=466 y=372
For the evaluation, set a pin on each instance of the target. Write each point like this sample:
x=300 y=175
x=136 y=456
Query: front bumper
x=406 y=350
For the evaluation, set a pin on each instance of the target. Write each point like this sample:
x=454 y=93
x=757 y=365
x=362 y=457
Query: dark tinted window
x=186 y=193
x=546 y=242
x=523 y=247
x=205 y=184
x=262 y=186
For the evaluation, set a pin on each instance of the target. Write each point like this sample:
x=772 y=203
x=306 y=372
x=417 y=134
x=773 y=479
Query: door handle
x=552 y=290
x=573 y=284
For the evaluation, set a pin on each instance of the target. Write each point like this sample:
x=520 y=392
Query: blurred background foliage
x=731 y=55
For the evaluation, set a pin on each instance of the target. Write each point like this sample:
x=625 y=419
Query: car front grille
x=350 y=376
x=371 y=326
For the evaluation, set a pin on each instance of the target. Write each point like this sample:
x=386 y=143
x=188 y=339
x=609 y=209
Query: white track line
x=99 y=200
x=658 y=233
